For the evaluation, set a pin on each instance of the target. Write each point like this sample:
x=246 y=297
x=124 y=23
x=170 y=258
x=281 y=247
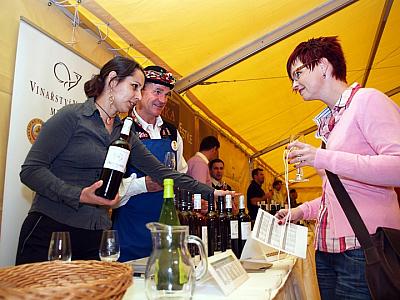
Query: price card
x=227 y=271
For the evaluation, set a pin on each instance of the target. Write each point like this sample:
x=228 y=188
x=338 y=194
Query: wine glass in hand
x=109 y=246
x=299 y=170
x=170 y=160
x=60 y=247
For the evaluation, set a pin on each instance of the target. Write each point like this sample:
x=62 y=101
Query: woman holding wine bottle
x=360 y=127
x=64 y=165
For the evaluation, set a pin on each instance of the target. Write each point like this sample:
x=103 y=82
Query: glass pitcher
x=170 y=272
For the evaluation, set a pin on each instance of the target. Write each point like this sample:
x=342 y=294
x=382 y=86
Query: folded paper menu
x=289 y=238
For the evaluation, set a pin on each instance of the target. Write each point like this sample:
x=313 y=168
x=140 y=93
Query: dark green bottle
x=212 y=225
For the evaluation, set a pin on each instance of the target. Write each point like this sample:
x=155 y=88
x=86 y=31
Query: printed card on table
x=289 y=238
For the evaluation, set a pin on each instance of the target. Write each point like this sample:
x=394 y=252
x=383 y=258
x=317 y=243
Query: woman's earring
x=111 y=99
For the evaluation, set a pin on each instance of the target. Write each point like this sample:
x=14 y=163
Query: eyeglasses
x=296 y=73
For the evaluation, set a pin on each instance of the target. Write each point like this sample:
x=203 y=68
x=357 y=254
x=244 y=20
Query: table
x=288 y=278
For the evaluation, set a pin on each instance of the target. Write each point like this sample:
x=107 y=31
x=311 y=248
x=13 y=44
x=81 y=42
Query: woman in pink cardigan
x=361 y=129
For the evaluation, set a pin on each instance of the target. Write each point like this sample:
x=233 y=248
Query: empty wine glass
x=60 y=247
x=299 y=170
x=109 y=246
x=170 y=160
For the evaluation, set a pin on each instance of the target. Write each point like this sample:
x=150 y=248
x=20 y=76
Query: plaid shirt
x=326 y=121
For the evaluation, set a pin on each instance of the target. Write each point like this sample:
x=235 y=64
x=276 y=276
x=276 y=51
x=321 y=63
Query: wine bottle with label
x=200 y=221
x=184 y=214
x=168 y=213
x=244 y=225
x=233 y=233
x=212 y=225
x=170 y=274
x=222 y=239
x=115 y=163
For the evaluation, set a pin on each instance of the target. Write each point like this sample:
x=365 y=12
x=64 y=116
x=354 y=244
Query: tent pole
x=377 y=39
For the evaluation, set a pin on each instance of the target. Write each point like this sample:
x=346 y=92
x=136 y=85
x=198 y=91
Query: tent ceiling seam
x=260 y=44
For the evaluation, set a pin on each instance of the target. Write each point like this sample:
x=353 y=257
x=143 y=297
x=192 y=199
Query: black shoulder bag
x=381 y=249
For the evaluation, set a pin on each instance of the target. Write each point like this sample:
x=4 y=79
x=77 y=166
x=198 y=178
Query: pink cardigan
x=364 y=150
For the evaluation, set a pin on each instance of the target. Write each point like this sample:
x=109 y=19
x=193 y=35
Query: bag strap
x=354 y=218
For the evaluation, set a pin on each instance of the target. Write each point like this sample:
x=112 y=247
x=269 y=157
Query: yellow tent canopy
x=230 y=57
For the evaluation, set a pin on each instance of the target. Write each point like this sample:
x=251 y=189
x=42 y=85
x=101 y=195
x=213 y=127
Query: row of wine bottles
x=220 y=229
x=272 y=208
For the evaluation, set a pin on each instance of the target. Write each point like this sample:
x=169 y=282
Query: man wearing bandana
x=142 y=198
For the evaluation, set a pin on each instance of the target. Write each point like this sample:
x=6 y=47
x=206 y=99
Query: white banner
x=47 y=77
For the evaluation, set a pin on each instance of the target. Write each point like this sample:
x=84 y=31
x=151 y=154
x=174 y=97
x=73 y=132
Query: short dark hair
x=292 y=191
x=255 y=172
x=212 y=162
x=123 y=66
x=208 y=143
x=311 y=52
x=276 y=182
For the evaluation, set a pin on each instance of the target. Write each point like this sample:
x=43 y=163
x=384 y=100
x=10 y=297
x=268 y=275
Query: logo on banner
x=63 y=75
x=33 y=129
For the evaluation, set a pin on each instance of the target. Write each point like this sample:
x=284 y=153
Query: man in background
x=255 y=194
x=278 y=196
x=293 y=198
x=198 y=164
x=217 y=167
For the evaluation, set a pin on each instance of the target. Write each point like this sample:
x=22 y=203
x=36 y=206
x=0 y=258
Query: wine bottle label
x=204 y=237
x=127 y=126
x=116 y=159
x=245 y=228
x=234 y=229
x=197 y=203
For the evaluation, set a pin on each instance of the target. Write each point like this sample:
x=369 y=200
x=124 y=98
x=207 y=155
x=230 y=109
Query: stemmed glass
x=299 y=170
x=109 y=246
x=170 y=160
x=60 y=247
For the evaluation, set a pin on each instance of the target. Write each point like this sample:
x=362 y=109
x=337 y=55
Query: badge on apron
x=174 y=145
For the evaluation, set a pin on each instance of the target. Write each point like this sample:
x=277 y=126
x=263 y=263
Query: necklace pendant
x=109 y=120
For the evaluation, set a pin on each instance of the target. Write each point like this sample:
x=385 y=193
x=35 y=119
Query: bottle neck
x=228 y=202
x=168 y=191
x=241 y=204
x=126 y=128
x=211 y=206
x=221 y=204
x=210 y=199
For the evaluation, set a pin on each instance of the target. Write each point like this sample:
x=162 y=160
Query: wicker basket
x=61 y=280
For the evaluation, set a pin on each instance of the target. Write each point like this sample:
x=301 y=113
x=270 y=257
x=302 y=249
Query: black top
x=254 y=190
x=220 y=187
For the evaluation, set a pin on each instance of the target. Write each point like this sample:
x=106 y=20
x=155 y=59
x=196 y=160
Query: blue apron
x=130 y=220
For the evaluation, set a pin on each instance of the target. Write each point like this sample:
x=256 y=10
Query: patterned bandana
x=159 y=75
